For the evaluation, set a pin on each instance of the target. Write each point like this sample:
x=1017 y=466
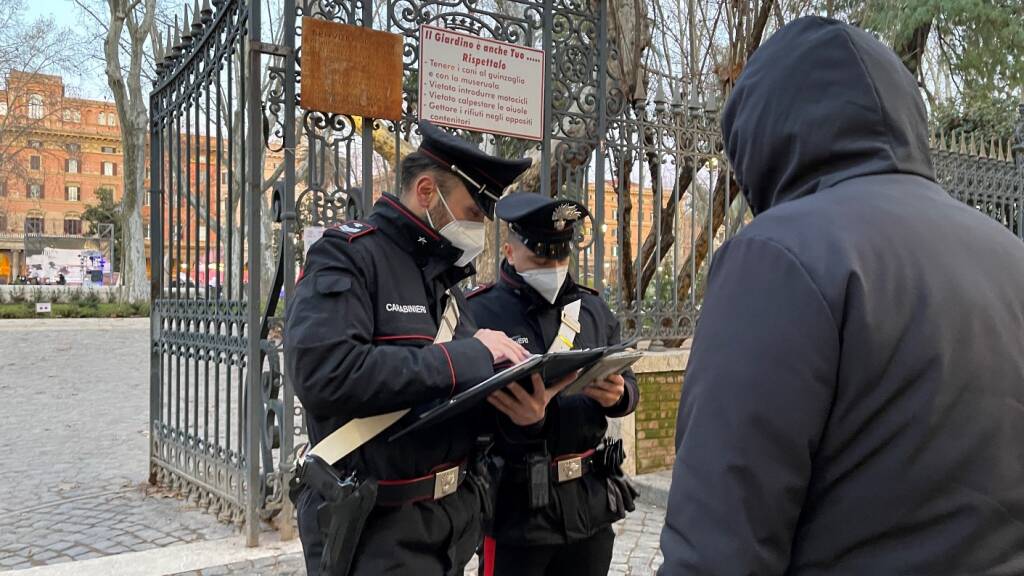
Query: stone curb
x=170 y=560
x=654 y=487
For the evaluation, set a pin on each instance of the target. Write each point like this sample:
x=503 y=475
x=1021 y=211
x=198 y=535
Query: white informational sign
x=43 y=308
x=481 y=84
x=310 y=234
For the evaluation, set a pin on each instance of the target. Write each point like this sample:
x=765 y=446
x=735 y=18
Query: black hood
x=819 y=103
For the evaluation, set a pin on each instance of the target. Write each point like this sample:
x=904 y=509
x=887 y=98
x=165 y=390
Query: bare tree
x=28 y=51
x=127 y=26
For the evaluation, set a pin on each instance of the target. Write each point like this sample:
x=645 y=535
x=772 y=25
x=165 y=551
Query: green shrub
x=75 y=296
x=18 y=295
x=28 y=310
x=65 y=311
x=13 y=311
x=91 y=299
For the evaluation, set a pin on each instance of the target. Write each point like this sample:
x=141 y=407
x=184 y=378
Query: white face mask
x=465 y=235
x=546 y=281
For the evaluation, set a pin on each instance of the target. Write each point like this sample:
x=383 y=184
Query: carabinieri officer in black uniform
x=378 y=326
x=563 y=488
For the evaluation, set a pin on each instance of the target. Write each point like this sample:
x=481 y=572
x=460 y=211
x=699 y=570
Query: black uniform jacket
x=854 y=401
x=573 y=424
x=359 y=339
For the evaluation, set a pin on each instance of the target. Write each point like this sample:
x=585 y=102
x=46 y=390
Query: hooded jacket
x=854 y=402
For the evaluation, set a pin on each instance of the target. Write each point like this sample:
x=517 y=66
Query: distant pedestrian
x=854 y=401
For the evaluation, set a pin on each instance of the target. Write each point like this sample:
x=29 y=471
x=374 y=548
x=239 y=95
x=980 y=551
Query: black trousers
x=422 y=539
x=590 y=557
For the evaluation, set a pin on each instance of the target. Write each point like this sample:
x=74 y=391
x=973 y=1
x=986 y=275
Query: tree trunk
x=911 y=49
x=740 y=52
x=133 y=269
x=701 y=249
x=131 y=110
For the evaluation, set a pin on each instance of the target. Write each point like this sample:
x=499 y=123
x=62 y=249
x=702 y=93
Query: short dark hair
x=415 y=165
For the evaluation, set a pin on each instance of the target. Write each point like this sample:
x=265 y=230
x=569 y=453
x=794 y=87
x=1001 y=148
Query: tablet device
x=614 y=363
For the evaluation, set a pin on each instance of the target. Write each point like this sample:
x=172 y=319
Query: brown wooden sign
x=351 y=70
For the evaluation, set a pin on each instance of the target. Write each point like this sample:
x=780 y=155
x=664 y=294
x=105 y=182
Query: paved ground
x=74 y=450
x=74 y=446
x=636 y=552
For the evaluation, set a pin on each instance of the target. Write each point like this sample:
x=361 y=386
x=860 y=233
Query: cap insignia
x=565 y=213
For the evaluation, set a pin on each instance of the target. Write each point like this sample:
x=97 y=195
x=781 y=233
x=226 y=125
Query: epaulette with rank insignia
x=479 y=290
x=350 y=230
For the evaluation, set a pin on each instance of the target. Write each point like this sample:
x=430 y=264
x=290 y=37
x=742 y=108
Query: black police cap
x=485 y=176
x=547 y=226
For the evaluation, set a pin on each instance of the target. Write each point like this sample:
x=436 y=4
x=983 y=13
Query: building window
x=145 y=230
x=102 y=119
x=72 y=116
x=34 y=191
x=615 y=251
x=35 y=107
x=3 y=188
x=35 y=144
x=71 y=166
x=3 y=222
x=3 y=108
x=73 y=148
x=72 y=193
x=109 y=169
x=108 y=150
x=107 y=119
x=34 y=225
x=145 y=198
x=35 y=163
x=72 y=227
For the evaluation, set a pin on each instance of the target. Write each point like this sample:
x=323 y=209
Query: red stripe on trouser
x=488 y=556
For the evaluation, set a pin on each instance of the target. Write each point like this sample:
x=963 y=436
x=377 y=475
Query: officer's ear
x=506 y=249
x=424 y=190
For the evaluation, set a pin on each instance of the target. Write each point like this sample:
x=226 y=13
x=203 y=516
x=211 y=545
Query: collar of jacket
x=434 y=254
x=511 y=280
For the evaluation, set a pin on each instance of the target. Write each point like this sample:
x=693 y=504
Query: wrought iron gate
x=205 y=190
x=650 y=168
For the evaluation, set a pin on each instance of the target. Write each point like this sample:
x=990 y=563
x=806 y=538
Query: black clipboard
x=552 y=366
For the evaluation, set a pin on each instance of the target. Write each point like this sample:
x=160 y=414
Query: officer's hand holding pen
x=607 y=392
x=526 y=409
x=502 y=347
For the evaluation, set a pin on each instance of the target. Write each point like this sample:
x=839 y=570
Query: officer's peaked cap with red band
x=485 y=176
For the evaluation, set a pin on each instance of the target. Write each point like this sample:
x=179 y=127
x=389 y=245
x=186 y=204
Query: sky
x=66 y=14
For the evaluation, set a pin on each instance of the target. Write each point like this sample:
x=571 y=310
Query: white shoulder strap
x=359 y=431
x=568 y=329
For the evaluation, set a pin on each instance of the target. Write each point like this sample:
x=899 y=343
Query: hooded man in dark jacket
x=854 y=402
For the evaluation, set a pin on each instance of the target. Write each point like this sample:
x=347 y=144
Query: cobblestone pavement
x=74 y=445
x=636 y=552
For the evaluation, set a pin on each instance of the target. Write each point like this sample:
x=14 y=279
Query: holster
x=485 y=472
x=622 y=493
x=347 y=504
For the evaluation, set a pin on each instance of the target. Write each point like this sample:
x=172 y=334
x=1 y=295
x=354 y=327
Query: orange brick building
x=58 y=151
